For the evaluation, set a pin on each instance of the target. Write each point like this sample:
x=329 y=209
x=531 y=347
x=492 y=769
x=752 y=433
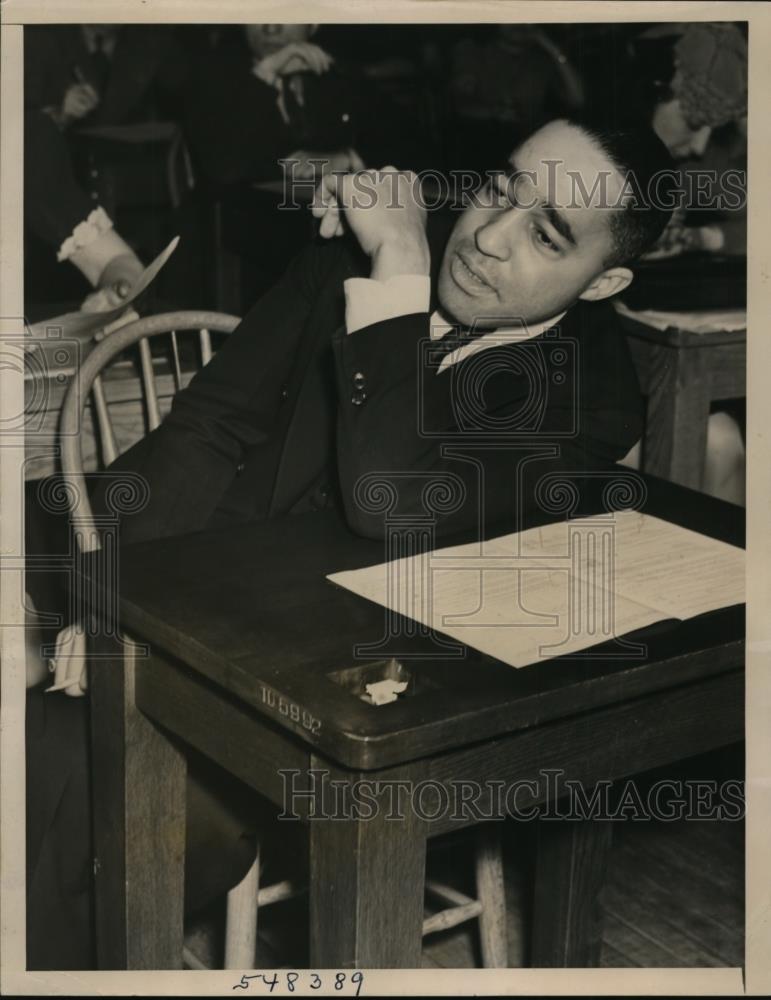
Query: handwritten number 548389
x=356 y=979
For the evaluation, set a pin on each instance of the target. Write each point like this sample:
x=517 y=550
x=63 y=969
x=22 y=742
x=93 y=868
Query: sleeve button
x=358 y=398
x=359 y=380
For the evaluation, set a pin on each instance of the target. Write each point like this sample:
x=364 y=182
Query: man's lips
x=469 y=275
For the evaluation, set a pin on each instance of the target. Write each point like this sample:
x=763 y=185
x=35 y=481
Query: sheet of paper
x=78 y=323
x=695 y=321
x=559 y=589
x=655 y=562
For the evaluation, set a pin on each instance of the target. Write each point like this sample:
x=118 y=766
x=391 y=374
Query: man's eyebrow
x=560 y=223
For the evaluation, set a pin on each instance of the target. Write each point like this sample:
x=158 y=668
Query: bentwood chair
x=246 y=898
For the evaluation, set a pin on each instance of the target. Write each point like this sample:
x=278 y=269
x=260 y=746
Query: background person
x=693 y=81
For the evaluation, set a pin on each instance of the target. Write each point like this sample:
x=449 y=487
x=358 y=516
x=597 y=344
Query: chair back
x=87 y=382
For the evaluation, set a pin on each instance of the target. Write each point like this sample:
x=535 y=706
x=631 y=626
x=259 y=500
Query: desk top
x=708 y=328
x=250 y=609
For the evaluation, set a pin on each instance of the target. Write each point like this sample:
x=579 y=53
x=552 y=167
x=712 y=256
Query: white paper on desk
x=558 y=589
x=692 y=320
x=74 y=323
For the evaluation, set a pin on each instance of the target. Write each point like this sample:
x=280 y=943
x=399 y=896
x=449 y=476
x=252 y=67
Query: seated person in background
x=91 y=77
x=103 y=74
x=699 y=110
x=266 y=92
x=263 y=93
x=65 y=221
x=698 y=107
x=323 y=383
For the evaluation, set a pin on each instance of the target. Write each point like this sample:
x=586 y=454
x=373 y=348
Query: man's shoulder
x=591 y=319
x=600 y=343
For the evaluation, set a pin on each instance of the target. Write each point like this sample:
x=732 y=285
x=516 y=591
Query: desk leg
x=366 y=892
x=677 y=416
x=139 y=826
x=570 y=871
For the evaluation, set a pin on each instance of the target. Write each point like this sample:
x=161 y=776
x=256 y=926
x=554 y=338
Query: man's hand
x=80 y=100
x=297 y=57
x=115 y=284
x=381 y=209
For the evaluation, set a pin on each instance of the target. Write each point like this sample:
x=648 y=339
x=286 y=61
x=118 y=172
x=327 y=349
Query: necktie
x=100 y=64
x=456 y=337
x=294 y=102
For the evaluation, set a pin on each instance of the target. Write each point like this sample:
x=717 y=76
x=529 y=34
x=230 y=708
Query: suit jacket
x=292 y=412
x=237 y=134
x=233 y=124
x=147 y=71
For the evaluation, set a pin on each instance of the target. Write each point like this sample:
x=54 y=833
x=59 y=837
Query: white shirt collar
x=439 y=325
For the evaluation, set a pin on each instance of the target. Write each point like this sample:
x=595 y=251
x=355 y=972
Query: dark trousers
x=222 y=821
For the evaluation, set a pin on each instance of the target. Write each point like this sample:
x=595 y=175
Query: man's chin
x=469 y=310
x=456 y=304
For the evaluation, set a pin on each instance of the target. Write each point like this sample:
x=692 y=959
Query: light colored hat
x=711 y=74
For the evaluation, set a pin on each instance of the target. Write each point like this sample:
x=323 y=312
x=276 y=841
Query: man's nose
x=494 y=238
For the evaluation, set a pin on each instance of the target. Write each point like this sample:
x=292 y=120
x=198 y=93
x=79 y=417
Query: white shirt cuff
x=369 y=301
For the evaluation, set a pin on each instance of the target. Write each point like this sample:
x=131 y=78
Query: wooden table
x=682 y=373
x=250 y=661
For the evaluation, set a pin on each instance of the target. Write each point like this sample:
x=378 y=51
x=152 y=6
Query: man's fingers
x=355 y=160
x=296 y=64
x=331 y=224
x=326 y=195
x=311 y=58
x=327 y=207
x=317 y=59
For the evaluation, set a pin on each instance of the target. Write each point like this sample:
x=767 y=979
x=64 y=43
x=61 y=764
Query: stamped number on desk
x=289 y=709
x=344 y=983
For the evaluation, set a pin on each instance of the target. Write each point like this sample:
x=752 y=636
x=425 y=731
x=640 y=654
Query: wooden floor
x=674 y=898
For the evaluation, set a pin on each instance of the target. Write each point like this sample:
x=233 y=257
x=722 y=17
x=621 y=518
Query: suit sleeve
x=190 y=460
x=462 y=446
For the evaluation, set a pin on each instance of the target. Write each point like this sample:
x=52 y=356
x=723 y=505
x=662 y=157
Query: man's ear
x=610 y=282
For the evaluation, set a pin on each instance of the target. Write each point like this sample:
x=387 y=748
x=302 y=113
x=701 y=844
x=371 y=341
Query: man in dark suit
x=327 y=381
x=322 y=384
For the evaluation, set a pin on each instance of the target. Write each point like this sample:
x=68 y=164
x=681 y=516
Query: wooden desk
x=247 y=643
x=681 y=373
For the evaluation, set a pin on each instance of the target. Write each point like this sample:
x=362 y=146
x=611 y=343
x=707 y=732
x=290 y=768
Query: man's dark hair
x=649 y=174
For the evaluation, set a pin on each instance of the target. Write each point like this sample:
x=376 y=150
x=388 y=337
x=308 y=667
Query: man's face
x=264 y=39
x=670 y=125
x=534 y=242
